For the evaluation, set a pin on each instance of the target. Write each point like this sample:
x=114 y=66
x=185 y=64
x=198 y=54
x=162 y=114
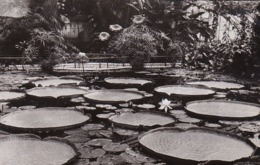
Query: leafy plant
x=139 y=43
x=37 y=36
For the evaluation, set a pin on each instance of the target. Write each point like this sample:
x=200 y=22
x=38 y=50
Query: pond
x=150 y=117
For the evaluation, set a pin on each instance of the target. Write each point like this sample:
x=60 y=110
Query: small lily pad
x=185 y=125
x=212 y=125
x=250 y=127
x=77 y=100
x=190 y=120
x=96 y=153
x=124 y=132
x=104 y=115
x=78 y=138
x=92 y=127
x=77 y=131
x=146 y=106
x=115 y=147
x=98 y=142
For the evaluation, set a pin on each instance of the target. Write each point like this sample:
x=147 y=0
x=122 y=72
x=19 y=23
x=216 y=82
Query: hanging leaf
x=133 y=6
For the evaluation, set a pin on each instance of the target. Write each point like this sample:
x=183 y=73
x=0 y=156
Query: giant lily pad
x=223 y=109
x=9 y=96
x=127 y=81
x=41 y=119
x=196 y=144
x=113 y=96
x=145 y=119
x=56 y=82
x=217 y=84
x=30 y=149
x=56 y=92
x=185 y=91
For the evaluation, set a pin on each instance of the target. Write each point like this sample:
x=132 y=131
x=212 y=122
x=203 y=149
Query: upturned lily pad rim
x=57 y=87
x=175 y=129
x=186 y=95
x=28 y=136
x=113 y=102
x=13 y=99
x=190 y=83
x=45 y=129
x=129 y=84
x=221 y=117
x=127 y=126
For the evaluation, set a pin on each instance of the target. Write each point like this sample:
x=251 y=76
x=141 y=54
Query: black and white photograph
x=129 y=82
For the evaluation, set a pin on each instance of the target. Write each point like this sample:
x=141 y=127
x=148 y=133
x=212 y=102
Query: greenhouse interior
x=130 y=82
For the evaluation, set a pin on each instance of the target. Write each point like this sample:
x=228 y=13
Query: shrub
x=138 y=43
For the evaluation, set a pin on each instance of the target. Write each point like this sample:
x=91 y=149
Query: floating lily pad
x=253 y=127
x=44 y=119
x=124 y=132
x=223 y=109
x=98 y=142
x=56 y=82
x=56 y=92
x=96 y=153
x=146 y=106
x=127 y=81
x=91 y=127
x=218 y=84
x=115 y=147
x=185 y=91
x=29 y=149
x=78 y=138
x=104 y=115
x=145 y=119
x=196 y=144
x=113 y=96
x=256 y=140
x=9 y=96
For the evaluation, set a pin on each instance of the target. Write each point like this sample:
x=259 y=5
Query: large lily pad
x=9 y=96
x=223 y=109
x=56 y=82
x=218 y=84
x=196 y=144
x=127 y=81
x=113 y=96
x=146 y=119
x=44 y=119
x=185 y=91
x=56 y=92
x=29 y=149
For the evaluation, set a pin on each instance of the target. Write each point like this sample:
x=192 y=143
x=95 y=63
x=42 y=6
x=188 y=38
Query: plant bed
x=196 y=145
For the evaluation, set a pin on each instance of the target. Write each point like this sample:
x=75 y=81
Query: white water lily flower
x=103 y=36
x=165 y=104
x=115 y=28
